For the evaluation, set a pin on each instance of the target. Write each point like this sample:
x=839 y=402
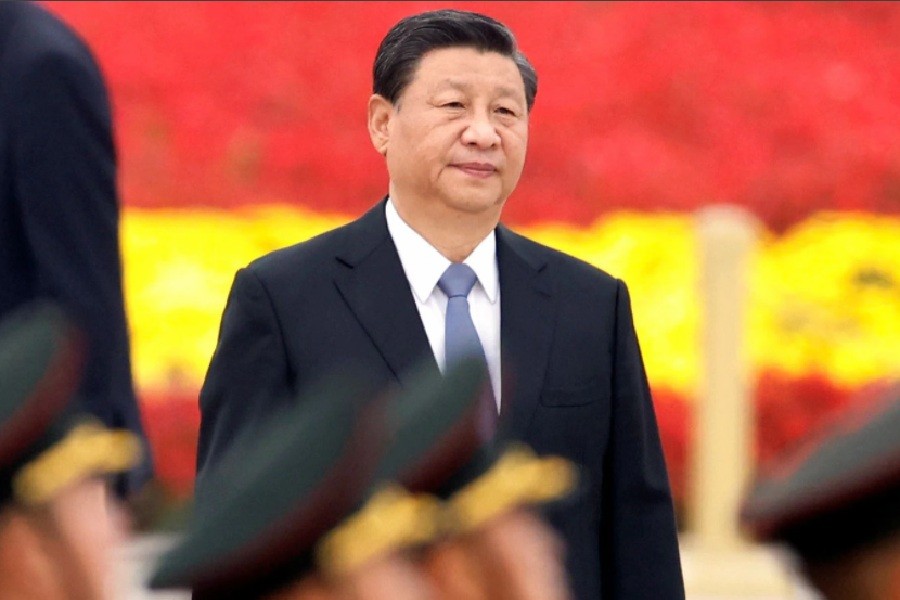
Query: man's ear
x=380 y=111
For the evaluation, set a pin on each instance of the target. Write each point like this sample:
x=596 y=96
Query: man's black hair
x=414 y=36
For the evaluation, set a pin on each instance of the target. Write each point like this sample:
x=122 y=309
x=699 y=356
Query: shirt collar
x=424 y=265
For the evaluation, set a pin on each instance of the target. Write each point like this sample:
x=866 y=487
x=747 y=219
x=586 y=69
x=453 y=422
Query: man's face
x=62 y=550
x=389 y=577
x=91 y=526
x=457 y=136
x=514 y=555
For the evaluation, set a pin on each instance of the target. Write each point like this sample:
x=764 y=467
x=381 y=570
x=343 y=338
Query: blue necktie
x=461 y=338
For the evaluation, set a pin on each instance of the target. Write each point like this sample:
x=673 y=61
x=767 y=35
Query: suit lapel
x=378 y=294
x=526 y=327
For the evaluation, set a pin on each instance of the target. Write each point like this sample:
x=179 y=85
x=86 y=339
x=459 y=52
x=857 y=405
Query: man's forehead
x=465 y=55
x=460 y=68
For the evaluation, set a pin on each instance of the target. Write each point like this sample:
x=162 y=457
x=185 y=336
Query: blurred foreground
x=769 y=568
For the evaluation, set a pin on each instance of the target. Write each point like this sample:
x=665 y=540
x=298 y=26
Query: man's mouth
x=476 y=169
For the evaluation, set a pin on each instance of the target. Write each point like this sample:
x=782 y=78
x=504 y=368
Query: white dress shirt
x=424 y=265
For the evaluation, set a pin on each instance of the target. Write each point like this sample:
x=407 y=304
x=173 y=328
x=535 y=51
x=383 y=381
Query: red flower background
x=787 y=109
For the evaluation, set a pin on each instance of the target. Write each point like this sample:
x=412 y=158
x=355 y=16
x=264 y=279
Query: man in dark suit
x=450 y=113
x=59 y=216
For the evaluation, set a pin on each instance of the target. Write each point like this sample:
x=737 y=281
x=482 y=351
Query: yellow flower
x=824 y=297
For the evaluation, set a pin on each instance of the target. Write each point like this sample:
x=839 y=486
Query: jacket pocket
x=571 y=396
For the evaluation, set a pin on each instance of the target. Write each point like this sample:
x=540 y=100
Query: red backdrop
x=787 y=108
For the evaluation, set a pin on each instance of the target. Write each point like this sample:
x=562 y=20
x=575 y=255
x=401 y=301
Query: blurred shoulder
x=34 y=35
x=43 y=59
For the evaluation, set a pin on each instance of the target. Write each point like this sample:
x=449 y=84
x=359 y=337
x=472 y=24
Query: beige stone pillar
x=722 y=451
x=717 y=562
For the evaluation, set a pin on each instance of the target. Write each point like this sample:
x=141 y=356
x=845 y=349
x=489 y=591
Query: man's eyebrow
x=456 y=84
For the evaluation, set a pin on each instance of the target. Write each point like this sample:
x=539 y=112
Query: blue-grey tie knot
x=457 y=280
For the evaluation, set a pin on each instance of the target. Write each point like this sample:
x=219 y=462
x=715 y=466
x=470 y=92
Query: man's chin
x=476 y=203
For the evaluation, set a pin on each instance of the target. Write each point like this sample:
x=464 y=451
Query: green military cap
x=444 y=437
x=447 y=470
x=438 y=429
x=838 y=491
x=278 y=490
x=257 y=528
x=46 y=443
x=477 y=470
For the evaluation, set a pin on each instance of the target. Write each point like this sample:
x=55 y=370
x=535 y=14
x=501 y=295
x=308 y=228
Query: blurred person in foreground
x=58 y=524
x=429 y=270
x=480 y=535
x=835 y=502
x=344 y=495
x=496 y=545
x=59 y=212
x=275 y=495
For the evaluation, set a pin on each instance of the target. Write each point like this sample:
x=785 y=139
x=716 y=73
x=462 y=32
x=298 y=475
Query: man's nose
x=481 y=133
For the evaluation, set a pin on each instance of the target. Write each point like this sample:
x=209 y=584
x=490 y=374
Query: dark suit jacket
x=568 y=344
x=59 y=216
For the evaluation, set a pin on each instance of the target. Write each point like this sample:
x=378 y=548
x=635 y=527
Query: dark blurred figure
x=59 y=213
x=58 y=525
x=835 y=502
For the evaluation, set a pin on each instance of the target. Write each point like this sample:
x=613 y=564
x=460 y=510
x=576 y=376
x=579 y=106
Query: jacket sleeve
x=640 y=539
x=63 y=155
x=248 y=377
